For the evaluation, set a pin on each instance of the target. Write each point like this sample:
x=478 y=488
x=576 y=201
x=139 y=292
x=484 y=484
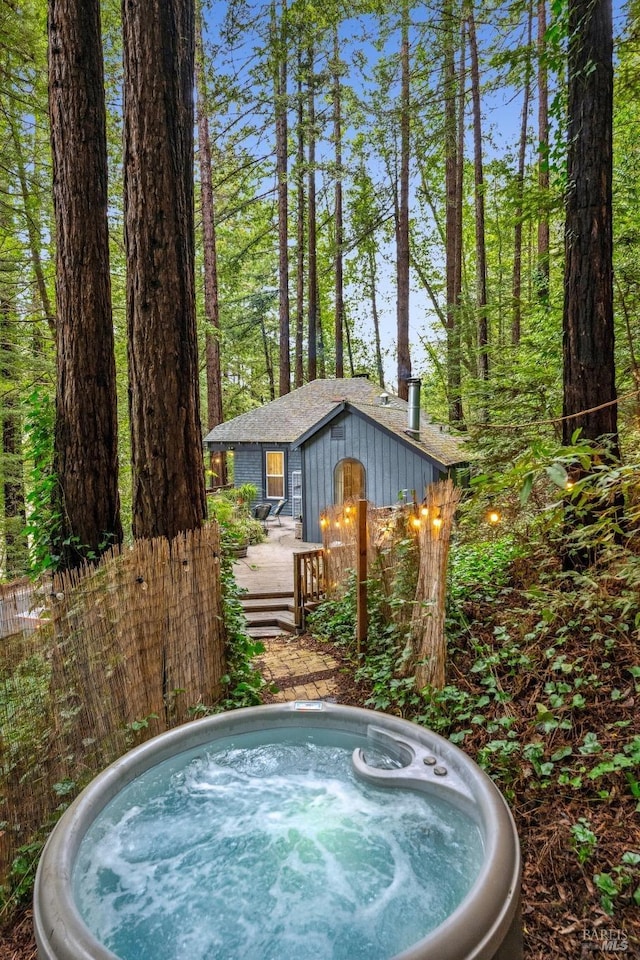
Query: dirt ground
x=562 y=917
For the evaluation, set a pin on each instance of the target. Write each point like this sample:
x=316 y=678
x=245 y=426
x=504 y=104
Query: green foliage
x=232 y=510
x=243 y=683
x=583 y=840
x=622 y=882
x=43 y=521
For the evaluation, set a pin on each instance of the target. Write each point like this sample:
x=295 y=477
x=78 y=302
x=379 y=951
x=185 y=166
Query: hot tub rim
x=61 y=933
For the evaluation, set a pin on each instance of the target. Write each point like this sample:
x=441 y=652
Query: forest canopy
x=377 y=190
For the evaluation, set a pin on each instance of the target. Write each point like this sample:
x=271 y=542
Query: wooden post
x=298 y=596
x=362 y=624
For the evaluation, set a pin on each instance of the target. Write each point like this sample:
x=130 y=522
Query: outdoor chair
x=260 y=512
x=277 y=511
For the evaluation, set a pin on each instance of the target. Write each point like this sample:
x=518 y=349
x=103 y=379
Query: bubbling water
x=254 y=850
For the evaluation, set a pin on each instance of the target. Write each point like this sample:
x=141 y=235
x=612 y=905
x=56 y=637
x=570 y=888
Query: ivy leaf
x=527 y=487
x=557 y=474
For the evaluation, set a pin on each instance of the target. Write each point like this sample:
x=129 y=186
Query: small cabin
x=332 y=440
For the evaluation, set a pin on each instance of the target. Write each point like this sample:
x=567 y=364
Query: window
x=274 y=474
x=348 y=481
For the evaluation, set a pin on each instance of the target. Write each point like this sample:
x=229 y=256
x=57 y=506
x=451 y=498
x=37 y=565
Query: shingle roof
x=295 y=414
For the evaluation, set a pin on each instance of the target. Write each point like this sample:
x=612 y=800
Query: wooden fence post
x=362 y=624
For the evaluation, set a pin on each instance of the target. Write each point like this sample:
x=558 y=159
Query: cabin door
x=349 y=481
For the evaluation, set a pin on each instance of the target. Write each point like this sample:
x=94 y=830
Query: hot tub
x=110 y=876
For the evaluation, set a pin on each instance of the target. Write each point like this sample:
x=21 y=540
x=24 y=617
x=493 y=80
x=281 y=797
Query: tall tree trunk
x=339 y=269
x=300 y=235
x=85 y=444
x=459 y=233
x=373 y=293
x=166 y=438
x=312 y=294
x=322 y=357
x=543 y=265
x=211 y=300
x=402 y=222
x=481 y=253
x=215 y=414
x=33 y=232
x=268 y=363
x=453 y=245
x=588 y=333
x=279 y=44
x=516 y=320
x=15 y=537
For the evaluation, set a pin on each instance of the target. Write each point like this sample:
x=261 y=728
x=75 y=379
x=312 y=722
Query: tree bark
x=373 y=293
x=85 y=443
x=33 y=233
x=588 y=333
x=402 y=222
x=453 y=245
x=215 y=414
x=300 y=233
x=543 y=265
x=338 y=260
x=312 y=294
x=280 y=101
x=516 y=288
x=481 y=253
x=15 y=537
x=166 y=438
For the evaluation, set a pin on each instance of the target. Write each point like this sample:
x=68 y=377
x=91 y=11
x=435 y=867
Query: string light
x=437 y=522
x=416 y=522
x=493 y=517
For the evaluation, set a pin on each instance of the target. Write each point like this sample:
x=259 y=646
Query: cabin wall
x=390 y=466
x=249 y=467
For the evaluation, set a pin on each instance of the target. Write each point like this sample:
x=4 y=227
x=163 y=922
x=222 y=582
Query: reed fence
x=407 y=554
x=122 y=651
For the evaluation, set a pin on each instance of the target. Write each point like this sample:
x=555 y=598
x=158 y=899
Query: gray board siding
x=249 y=467
x=390 y=466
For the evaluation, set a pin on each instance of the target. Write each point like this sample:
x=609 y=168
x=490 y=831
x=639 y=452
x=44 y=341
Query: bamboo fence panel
x=128 y=648
x=428 y=648
x=407 y=551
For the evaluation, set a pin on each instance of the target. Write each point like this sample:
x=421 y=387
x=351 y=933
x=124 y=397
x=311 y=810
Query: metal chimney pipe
x=413 y=426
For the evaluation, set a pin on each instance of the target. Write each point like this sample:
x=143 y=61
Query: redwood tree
x=86 y=457
x=279 y=54
x=588 y=337
x=402 y=220
x=168 y=472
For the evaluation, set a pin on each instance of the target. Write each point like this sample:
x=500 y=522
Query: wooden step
x=268 y=606
x=267 y=618
x=267 y=595
x=270 y=623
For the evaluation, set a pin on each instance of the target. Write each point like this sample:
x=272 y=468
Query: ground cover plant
x=542 y=690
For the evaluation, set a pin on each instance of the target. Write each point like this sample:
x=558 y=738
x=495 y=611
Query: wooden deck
x=266 y=573
x=268 y=567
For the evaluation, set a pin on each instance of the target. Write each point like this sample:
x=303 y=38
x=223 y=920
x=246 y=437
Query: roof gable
x=297 y=416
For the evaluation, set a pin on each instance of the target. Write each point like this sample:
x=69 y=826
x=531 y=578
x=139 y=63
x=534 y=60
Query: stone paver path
x=298 y=674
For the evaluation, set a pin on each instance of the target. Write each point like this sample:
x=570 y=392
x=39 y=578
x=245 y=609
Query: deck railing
x=309 y=585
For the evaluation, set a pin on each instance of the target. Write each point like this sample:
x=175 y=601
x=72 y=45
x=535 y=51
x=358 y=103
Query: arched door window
x=349 y=481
